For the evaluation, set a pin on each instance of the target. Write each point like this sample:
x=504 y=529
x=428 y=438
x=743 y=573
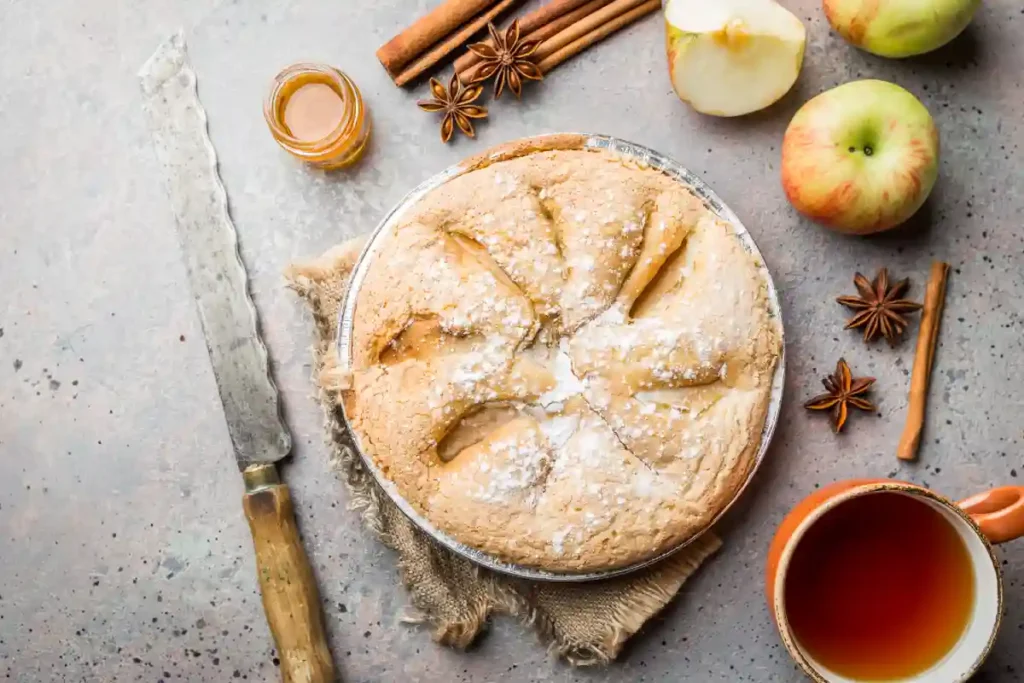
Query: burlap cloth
x=585 y=623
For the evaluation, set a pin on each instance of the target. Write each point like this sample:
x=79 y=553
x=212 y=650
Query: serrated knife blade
x=217 y=277
x=219 y=285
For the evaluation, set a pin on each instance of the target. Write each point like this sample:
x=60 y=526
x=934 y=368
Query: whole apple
x=900 y=28
x=860 y=158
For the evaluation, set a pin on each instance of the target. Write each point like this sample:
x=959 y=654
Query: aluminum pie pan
x=562 y=141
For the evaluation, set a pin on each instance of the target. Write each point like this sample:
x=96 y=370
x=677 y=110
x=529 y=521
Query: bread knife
x=219 y=284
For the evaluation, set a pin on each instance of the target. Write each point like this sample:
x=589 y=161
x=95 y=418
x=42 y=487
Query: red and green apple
x=860 y=158
x=900 y=28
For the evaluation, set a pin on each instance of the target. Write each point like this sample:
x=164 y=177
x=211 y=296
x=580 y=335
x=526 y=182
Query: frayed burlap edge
x=584 y=623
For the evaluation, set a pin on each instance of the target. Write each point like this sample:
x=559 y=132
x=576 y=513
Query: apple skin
x=884 y=179
x=900 y=28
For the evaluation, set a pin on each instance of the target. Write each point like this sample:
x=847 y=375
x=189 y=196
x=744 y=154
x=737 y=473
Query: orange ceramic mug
x=838 y=519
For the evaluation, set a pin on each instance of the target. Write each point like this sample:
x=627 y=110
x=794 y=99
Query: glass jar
x=317 y=114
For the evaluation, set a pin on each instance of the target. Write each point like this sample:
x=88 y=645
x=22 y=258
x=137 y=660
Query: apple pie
x=563 y=359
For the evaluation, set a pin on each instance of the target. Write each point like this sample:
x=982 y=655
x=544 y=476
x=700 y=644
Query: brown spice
x=578 y=45
x=844 y=390
x=506 y=58
x=586 y=25
x=426 y=31
x=528 y=23
x=924 y=356
x=563 y=22
x=450 y=44
x=456 y=102
x=880 y=310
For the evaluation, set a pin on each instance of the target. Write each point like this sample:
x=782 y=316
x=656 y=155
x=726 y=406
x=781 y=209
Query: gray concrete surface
x=124 y=555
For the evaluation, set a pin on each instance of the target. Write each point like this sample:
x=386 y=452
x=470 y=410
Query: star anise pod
x=457 y=104
x=843 y=391
x=880 y=310
x=507 y=56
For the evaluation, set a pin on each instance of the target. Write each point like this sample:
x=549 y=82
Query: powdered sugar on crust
x=566 y=383
x=513 y=465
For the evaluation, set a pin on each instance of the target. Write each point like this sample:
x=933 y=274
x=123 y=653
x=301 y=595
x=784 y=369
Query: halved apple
x=732 y=57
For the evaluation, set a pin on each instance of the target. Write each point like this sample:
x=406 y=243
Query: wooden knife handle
x=290 y=595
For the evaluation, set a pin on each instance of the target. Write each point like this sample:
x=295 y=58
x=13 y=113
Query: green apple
x=732 y=57
x=900 y=28
x=860 y=158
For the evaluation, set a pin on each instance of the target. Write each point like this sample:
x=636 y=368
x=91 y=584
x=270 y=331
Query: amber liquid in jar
x=317 y=114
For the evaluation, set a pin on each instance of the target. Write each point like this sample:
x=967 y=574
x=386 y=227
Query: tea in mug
x=881 y=587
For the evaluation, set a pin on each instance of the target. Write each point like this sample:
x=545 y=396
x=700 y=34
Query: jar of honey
x=316 y=113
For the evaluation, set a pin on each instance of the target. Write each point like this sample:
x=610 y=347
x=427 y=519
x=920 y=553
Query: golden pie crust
x=563 y=359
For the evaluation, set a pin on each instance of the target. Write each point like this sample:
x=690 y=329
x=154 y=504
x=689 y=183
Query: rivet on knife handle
x=290 y=595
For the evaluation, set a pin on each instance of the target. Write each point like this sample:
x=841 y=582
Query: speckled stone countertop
x=124 y=555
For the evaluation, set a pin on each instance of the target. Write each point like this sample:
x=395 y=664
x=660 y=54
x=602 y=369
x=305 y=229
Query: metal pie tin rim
x=641 y=155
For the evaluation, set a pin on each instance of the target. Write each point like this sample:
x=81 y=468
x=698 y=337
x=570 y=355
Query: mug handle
x=999 y=512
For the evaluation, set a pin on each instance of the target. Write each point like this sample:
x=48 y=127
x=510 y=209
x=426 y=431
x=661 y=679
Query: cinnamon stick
x=426 y=31
x=528 y=23
x=566 y=20
x=583 y=27
x=927 y=337
x=572 y=41
x=450 y=44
